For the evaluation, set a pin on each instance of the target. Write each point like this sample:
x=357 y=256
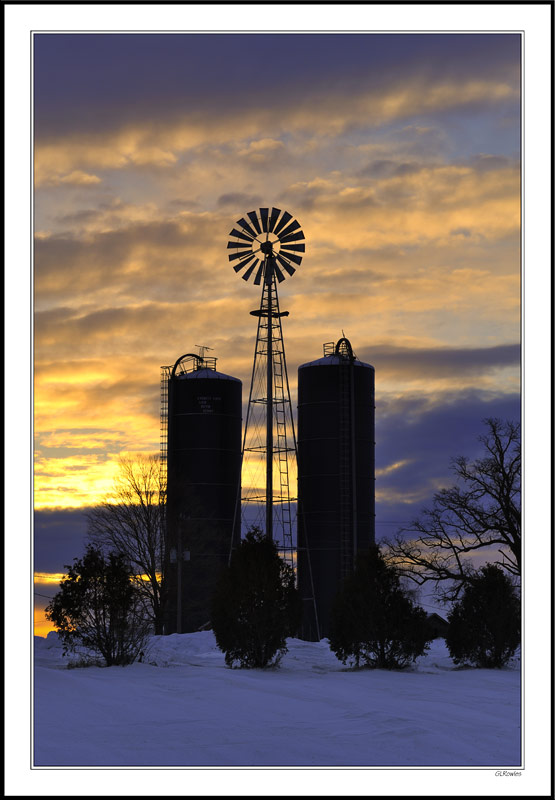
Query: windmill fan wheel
x=262 y=235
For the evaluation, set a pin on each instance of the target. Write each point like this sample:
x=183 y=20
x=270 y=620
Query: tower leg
x=269 y=415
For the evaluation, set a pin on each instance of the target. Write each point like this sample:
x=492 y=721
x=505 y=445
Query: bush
x=484 y=626
x=255 y=605
x=374 y=623
x=96 y=609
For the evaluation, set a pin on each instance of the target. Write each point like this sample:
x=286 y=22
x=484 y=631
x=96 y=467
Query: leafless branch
x=481 y=512
x=131 y=522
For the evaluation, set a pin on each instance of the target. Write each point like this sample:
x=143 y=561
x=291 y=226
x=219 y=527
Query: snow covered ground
x=184 y=707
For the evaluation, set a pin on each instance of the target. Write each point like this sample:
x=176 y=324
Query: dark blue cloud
x=439 y=361
x=484 y=162
x=59 y=537
x=89 y=81
x=428 y=435
x=238 y=200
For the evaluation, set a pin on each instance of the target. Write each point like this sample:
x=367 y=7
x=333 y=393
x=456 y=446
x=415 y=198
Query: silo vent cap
x=343 y=348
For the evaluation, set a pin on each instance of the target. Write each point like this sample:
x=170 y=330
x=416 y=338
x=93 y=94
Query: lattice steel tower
x=266 y=246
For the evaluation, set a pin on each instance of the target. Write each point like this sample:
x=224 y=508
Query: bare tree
x=130 y=522
x=481 y=513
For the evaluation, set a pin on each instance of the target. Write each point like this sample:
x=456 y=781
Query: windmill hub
x=267 y=248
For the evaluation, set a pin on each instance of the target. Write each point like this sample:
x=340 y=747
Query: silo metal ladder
x=164 y=378
x=283 y=451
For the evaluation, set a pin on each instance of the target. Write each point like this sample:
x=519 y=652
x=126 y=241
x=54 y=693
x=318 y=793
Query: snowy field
x=184 y=707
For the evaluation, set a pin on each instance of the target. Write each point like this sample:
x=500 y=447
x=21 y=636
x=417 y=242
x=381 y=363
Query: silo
x=335 y=477
x=203 y=487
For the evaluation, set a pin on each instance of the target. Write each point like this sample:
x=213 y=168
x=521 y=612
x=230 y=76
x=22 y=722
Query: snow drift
x=183 y=707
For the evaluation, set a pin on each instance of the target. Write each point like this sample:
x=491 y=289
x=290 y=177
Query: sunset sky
x=399 y=154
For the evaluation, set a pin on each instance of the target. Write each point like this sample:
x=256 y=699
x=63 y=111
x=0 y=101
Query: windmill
x=268 y=245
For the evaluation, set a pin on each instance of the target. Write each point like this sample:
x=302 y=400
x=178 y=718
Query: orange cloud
x=41 y=625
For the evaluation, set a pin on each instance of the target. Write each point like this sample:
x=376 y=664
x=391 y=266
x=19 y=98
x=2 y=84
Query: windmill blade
x=240 y=235
x=289 y=229
x=258 y=277
x=239 y=267
x=293 y=237
x=234 y=256
x=254 y=219
x=290 y=256
x=283 y=221
x=278 y=273
x=299 y=248
x=245 y=225
x=239 y=245
x=287 y=267
x=273 y=218
x=264 y=218
x=246 y=275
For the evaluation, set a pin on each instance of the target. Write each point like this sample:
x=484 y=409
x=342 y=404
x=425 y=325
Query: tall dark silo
x=203 y=487
x=335 y=477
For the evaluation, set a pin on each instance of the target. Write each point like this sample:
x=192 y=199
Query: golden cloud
x=402 y=496
x=393 y=467
x=73 y=481
x=80 y=178
x=48 y=578
x=160 y=144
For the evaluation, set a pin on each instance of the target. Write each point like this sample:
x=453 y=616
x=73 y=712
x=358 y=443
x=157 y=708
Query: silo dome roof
x=327 y=361
x=203 y=374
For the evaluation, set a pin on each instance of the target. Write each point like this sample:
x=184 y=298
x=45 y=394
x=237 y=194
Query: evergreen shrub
x=255 y=605
x=484 y=625
x=97 y=611
x=374 y=622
